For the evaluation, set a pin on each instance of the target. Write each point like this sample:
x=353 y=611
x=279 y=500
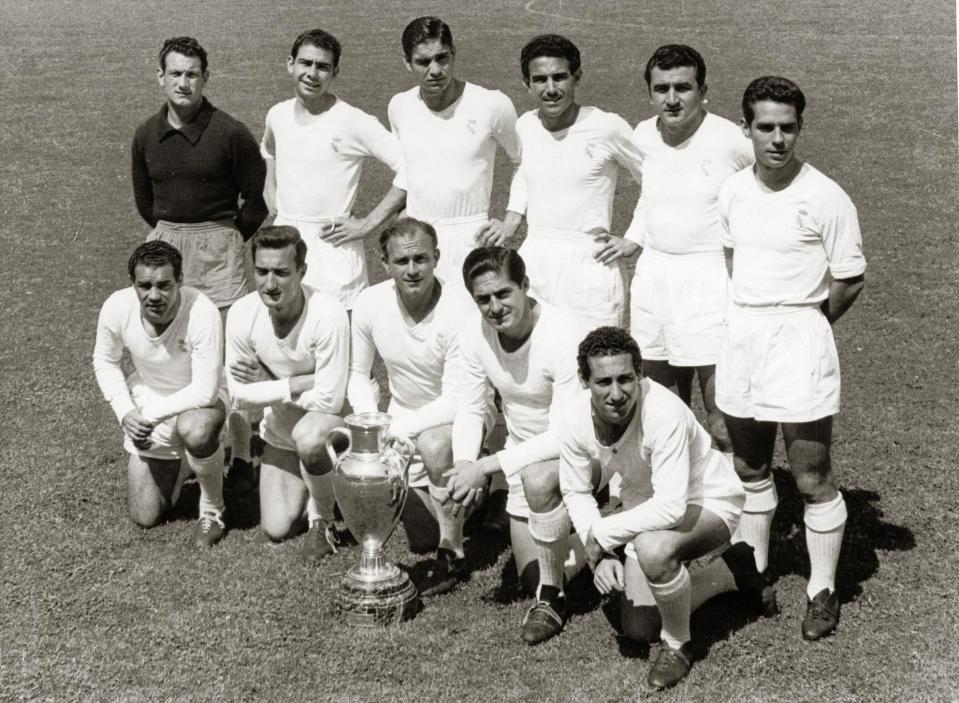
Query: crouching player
x=287 y=348
x=169 y=406
x=681 y=500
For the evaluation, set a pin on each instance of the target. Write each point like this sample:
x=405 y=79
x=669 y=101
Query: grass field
x=94 y=608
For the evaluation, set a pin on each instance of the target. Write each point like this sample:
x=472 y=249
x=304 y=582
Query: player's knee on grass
x=524 y=555
x=435 y=447
x=200 y=430
x=150 y=485
x=541 y=486
x=640 y=623
x=309 y=436
x=657 y=556
x=279 y=524
x=419 y=523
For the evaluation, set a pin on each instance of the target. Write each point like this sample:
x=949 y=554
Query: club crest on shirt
x=183 y=345
x=471 y=126
x=802 y=218
x=335 y=144
x=589 y=149
x=706 y=165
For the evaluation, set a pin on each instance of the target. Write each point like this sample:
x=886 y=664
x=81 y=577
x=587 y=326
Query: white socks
x=209 y=476
x=550 y=533
x=757 y=518
x=673 y=599
x=825 y=523
x=321 y=501
x=451 y=528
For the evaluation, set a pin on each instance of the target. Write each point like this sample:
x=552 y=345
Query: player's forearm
x=251 y=396
x=467 y=435
x=436 y=413
x=200 y=393
x=842 y=294
x=542 y=447
x=359 y=391
x=622 y=527
x=391 y=204
x=113 y=386
x=583 y=510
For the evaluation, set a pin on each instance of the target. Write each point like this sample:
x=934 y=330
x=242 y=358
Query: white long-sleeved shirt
x=532 y=381
x=318 y=344
x=788 y=245
x=678 y=211
x=450 y=155
x=665 y=459
x=422 y=358
x=182 y=366
x=566 y=180
x=319 y=158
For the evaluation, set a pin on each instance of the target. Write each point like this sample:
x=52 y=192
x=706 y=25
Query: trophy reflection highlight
x=370 y=485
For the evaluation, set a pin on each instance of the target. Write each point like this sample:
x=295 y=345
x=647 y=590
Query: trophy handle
x=403 y=449
x=338 y=431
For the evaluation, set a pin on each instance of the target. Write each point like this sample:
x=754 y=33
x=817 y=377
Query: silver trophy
x=370 y=485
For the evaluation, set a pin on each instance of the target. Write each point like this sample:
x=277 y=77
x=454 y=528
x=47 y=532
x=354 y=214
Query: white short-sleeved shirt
x=788 y=245
x=567 y=179
x=680 y=214
x=319 y=158
x=532 y=382
x=422 y=358
x=318 y=344
x=183 y=365
x=450 y=155
x=665 y=458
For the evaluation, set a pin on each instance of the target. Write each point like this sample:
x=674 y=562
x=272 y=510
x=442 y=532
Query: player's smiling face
x=553 y=86
x=409 y=261
x=431 y=63
x=182 y=81
x=277 y=278
x=676 y=96
x=774 y=132
x=313 y=72
x=502 y=303
x=158 y=292
x=614 y=386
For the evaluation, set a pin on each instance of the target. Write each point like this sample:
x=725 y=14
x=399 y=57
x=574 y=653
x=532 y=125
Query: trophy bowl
x=370 y=486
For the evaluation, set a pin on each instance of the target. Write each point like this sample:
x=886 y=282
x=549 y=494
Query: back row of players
x=787 y=234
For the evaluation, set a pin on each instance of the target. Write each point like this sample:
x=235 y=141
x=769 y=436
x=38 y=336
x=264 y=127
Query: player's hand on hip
x=608 y=575
x=246 y=371
x=494 y=233
x=137 y=428
x=349 y=230
x=613 y=248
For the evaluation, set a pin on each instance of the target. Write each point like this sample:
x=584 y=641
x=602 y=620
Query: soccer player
x=170 y=407
x=795 y=253
x=449 y=129
x=198 y=181
x=412 y=320
x=315 y=144
x=526 y=350
x=682 y=500
x=678 y=297
x=565 y=184
x=287 y=348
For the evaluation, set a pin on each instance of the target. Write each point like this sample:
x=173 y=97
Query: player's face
x=158 y=291
x=774 y=132
x=410 y=260
x=313 y=72
x=501 y=302
x=553 y=86
x=182 y=81
x=614 y=386
x=676 y=96
x=431 y=63
x=277 y=277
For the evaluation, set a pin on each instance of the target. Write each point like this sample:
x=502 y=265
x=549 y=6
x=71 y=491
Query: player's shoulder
x=609 y=122
x=491 y=96
x=282 y=109
x=561 y=328
x=349 y=111
x=373 y=297
x=661 y=408
x=322 y=304
x=812 y=177
x=404 y=99
x=721 y=125
x=245 y=307
x=120 y=301
x=147 y=127
x=574 y=416
x=738 y=183
x=528 y=120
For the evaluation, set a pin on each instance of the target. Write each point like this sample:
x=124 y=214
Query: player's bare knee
x=656 y=556
x=640 y=623
x=148 y=516
x=278 y=528
x=436 y=451
x=815 y=484
x=541 y=488
x=309 y=437
x=200 y=436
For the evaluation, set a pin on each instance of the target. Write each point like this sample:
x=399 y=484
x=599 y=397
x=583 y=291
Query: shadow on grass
x=866 y=532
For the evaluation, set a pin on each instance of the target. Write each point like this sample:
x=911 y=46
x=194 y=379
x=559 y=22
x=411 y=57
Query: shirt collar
x=193 y=129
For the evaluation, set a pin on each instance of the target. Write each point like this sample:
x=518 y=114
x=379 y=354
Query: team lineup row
x=748 y=255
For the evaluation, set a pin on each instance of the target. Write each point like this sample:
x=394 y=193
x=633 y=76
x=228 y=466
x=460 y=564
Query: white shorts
x=214 y=257
x=729 y=510
x=563 y=272
x=338 y=271
x=456 y=239
x=276 y=427
x=778 y=365
x=677 y=309
x=418 y=478
x=166 y=442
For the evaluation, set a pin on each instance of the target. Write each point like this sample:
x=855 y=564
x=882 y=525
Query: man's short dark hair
x=676 y=56
x=775 y=89
x=280 y=237
x=320 y=39
x=607 y=341
x=493 y=259
x=424 y=29
x=155 y=254
x=188 y=46
x=406 y=226
x=554 y=45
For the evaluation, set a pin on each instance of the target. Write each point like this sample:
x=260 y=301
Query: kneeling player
x=169 y=405
x=287 y=348
x=681 y=500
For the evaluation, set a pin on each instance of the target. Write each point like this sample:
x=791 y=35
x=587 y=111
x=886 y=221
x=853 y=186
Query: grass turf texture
x=95 y=608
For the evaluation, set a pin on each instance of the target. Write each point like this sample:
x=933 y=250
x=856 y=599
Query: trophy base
x=363 y=602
